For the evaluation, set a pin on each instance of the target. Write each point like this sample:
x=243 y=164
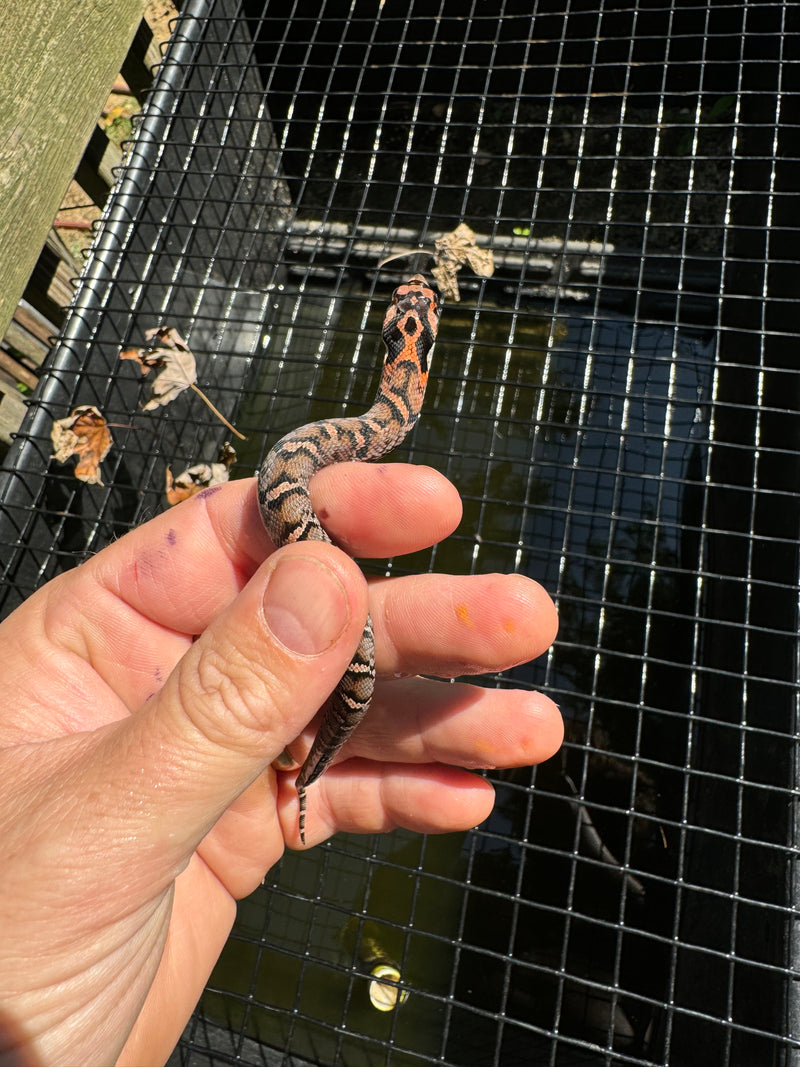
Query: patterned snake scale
x=409 y=331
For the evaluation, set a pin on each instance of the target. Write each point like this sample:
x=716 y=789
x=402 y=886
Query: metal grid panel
x=619 y=408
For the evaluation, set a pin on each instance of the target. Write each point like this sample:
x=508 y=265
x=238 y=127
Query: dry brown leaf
x=83 y=433
x=200 y=476
x=453 y=250
x=167 y=351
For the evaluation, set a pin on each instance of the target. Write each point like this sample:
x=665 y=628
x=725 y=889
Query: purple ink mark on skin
x=205 y=493
x=172 y=537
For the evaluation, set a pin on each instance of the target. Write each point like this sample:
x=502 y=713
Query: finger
x=417 y=720
x=133 y=609
x=410 y=721
x=362 y=797
x=448 y=626
x=183 y=567
x=237 y=849
x=388 y=509
x=242 y=691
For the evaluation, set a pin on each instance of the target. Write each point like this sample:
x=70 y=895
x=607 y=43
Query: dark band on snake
x=409 y=331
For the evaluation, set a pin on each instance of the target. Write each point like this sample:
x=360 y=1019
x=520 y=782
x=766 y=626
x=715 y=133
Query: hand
x=146 y=695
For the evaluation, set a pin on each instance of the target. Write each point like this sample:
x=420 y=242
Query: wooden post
x=60 y=59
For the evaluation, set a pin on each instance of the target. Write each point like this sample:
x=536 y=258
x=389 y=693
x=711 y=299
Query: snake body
x=409 y=331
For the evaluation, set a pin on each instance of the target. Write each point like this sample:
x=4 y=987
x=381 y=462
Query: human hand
x=146 y=694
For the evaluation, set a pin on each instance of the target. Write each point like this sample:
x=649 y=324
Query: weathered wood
x=59 y=63
x=37 y=327
x=17 y=371
x=51 y=286
x=21 y=345
x=12 y=410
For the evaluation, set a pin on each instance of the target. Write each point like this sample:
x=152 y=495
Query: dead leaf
x=200 y=476
x=455 y=249
x=83 y=433
x=170 y=355
x=167 y=351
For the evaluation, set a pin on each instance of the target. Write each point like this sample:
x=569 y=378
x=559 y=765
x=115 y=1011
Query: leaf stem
x=219 y=414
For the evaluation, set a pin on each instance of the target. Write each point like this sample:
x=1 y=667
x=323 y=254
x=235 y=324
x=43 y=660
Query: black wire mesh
x=618 y=405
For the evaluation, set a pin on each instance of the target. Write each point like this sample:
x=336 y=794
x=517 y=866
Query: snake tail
x=409 y=333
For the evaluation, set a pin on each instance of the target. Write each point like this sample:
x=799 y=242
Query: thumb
x=248 y=686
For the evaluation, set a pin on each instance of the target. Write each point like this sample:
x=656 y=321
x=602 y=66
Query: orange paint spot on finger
x=463 y=615
x=509 y=626
x=486 y=754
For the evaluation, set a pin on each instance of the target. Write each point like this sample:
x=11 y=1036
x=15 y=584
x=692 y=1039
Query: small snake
x=409 y=331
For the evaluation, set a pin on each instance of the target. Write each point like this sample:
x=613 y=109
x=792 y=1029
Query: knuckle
x=229 y=701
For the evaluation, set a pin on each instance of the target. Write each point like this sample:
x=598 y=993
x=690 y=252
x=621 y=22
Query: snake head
x=411 y=323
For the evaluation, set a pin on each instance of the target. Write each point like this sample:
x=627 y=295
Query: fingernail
x=284 y=761
x=305 y=605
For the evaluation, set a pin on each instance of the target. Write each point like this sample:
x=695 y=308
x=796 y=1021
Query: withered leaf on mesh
x=83 y=433
x=200 y=476
x=453 y=250
x=167 y=351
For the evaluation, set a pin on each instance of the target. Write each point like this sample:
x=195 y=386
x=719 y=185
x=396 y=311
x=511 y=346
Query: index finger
x=183 y=567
